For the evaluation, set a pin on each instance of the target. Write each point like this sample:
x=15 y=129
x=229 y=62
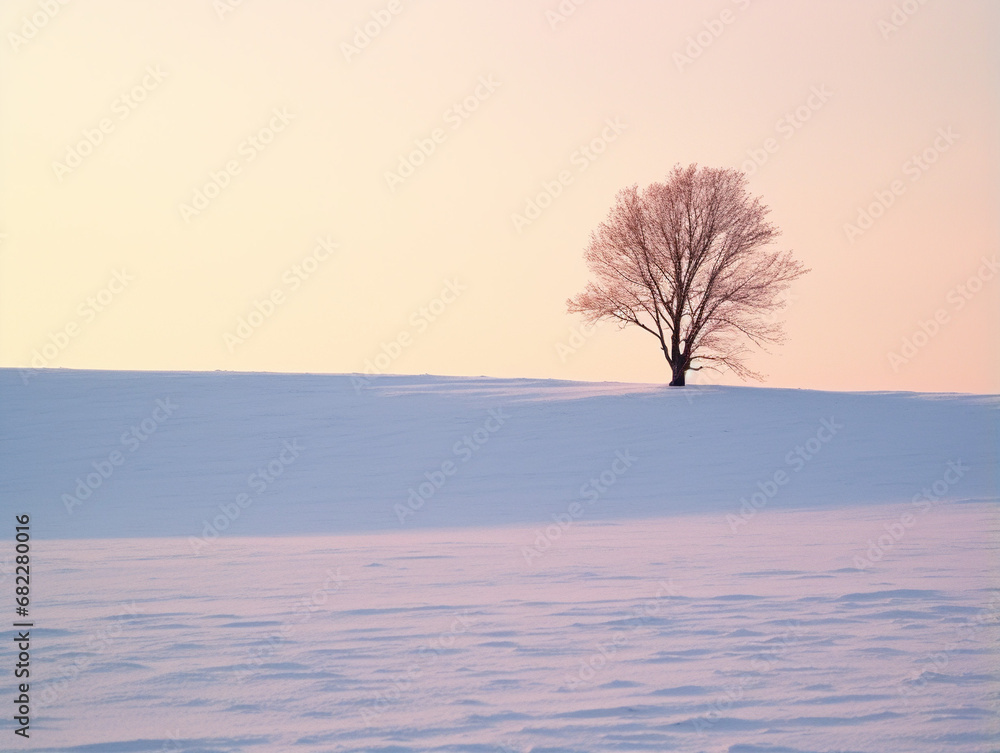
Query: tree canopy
x=688 y=261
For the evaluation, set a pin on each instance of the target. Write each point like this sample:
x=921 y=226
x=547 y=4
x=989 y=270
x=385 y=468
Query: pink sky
x=363 y=197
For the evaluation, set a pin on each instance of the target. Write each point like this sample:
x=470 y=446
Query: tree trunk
x=678 y=376
x=678 y=361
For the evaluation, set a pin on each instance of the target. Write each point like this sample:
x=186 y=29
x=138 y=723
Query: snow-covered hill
x=127 y=454
x=501 y=566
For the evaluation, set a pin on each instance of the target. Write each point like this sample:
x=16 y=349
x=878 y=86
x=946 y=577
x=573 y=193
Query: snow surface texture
x=190 y=444
x=592 y=571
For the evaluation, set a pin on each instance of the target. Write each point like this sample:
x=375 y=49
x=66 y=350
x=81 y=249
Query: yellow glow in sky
x=319 y=186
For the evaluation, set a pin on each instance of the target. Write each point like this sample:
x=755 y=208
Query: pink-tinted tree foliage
x=688 y=261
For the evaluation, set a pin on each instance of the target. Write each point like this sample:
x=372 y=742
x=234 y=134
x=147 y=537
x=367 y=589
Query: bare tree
x=685 y=260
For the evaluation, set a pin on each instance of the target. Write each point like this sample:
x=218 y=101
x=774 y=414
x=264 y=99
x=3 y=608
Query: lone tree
x=685 y=260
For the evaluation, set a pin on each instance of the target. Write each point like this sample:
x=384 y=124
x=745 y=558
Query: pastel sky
x=418 y=196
